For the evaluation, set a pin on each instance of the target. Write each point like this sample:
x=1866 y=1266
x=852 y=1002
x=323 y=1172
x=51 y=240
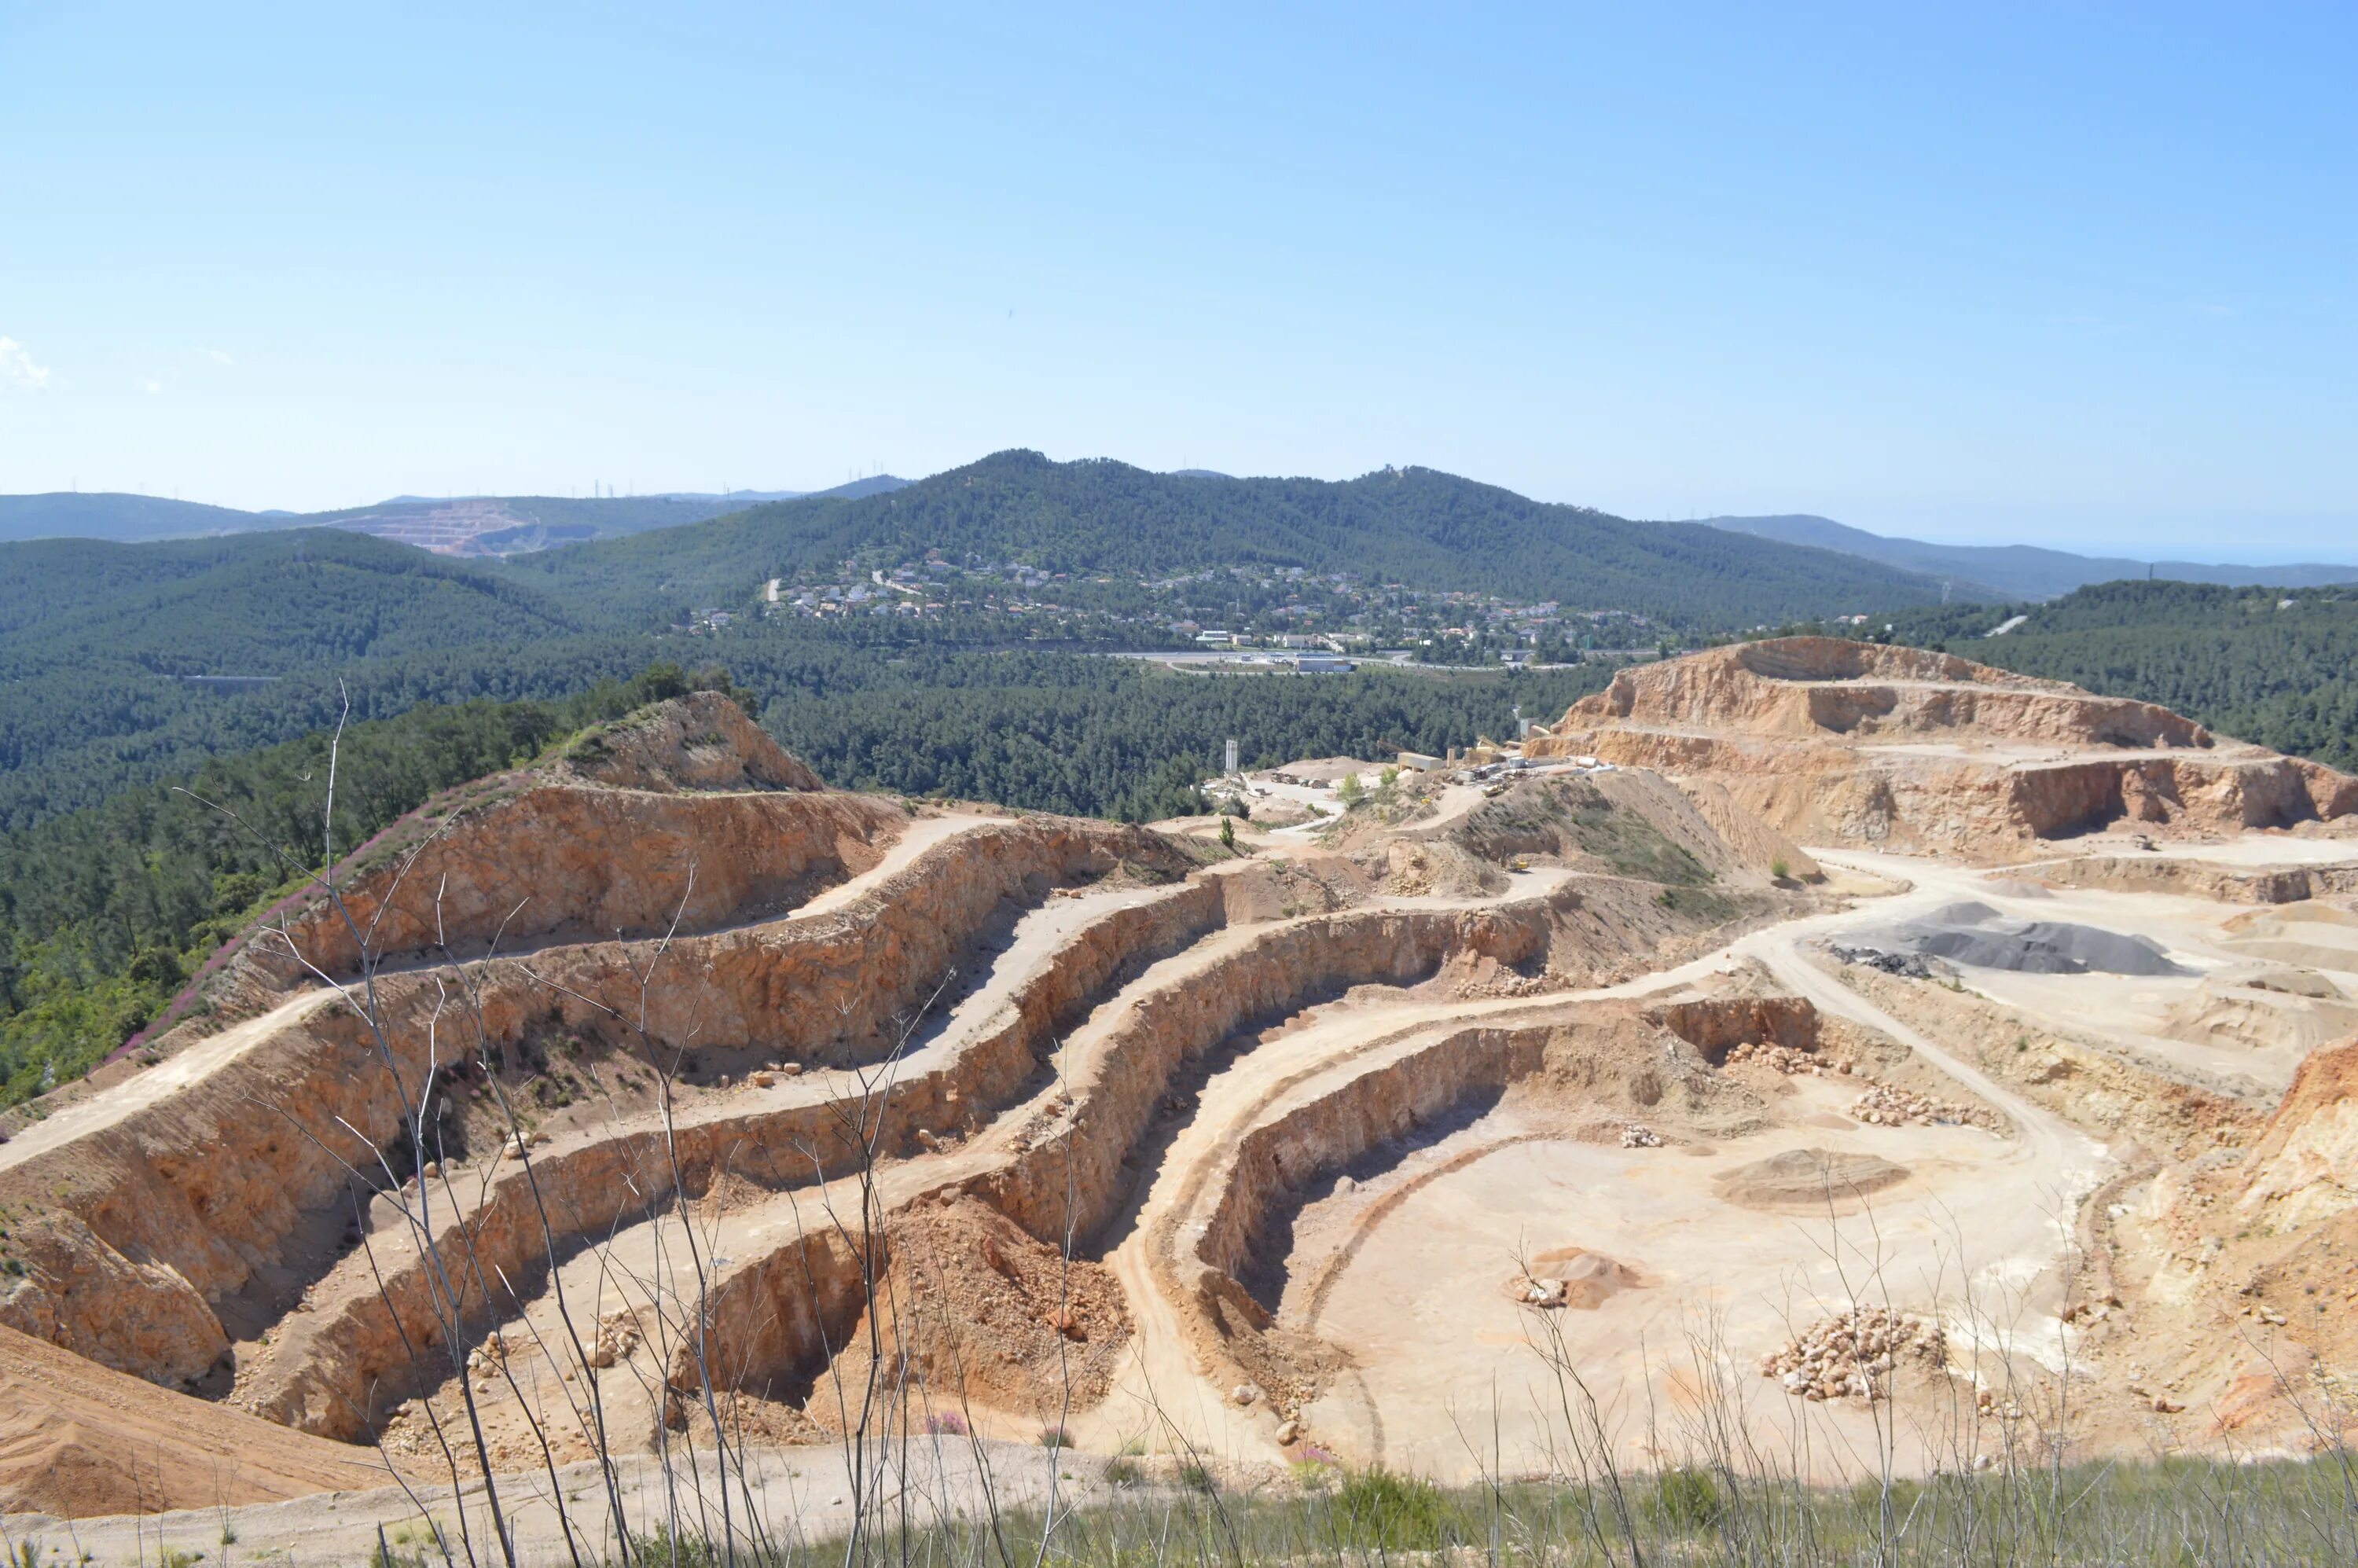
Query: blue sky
x=2076 y=275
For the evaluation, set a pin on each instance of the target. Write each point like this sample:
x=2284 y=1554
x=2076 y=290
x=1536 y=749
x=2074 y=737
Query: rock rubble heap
x=1887 y=1105
x=1789 y=1060
x=1854 y=1354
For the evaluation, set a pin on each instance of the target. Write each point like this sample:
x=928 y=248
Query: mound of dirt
x=1808 y=1177
x=2278 y=1008
x=1976 y=935
x=78 y=1439
x=1275 y=888
x=1576 y=1277
x=2309 y=935
x=1627 y=824
x=1409 y=869
x=700 y=741
x=2014 y=887
x=2297 y=983
x=987 y=1313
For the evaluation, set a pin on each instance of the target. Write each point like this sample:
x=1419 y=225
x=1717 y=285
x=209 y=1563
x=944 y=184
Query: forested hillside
x=2279 y=667
x=1410 y=525
x=105 y=913
x=1106 y=738
x=120 y=665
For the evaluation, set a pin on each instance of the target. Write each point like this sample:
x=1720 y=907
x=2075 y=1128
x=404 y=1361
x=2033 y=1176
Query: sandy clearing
x=1416 y=1365
x=1446 y=1361
x=1163 y=1393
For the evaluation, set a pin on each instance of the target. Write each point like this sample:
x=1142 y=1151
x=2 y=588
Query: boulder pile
x=1854 y=1354
x=1887 y=1105
x=1787 y=1059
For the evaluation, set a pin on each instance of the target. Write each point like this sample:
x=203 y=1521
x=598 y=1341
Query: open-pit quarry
x=1900 y=1062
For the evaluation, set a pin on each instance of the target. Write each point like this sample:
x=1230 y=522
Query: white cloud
x=154 y=384
x=17 y=368
x=220 y=356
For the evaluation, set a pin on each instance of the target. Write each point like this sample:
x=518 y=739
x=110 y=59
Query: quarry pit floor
x=1409 y=1273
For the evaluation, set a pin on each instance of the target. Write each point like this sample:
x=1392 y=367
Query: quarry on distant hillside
x=1884 y=1032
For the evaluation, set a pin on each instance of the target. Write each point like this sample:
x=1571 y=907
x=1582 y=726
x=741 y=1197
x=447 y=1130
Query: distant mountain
x=1417 y=527
x=2018 y=571
x=875 y=484
x=105 y=515
x=495 y=525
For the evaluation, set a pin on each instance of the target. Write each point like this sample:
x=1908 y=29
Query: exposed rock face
x=685 y=812
x=1717 y=1025
x=138 y=1316
x=2200 y=879
x=2305 y=1166
x=1827 y=739
x=1068 y=1176
x=1810 y=687
x=1056 y=1167
x=335 y=1367
x=1547 y=1063
x=138 y=1229
x=157 y=1184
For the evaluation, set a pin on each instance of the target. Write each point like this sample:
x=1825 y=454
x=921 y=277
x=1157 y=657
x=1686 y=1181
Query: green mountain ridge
x=1419 y=527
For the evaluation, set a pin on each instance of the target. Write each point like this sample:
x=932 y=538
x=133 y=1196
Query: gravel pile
x=1854 y=1354
x=1637 y=1135
x=1908 y=966
x=1975 y=935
